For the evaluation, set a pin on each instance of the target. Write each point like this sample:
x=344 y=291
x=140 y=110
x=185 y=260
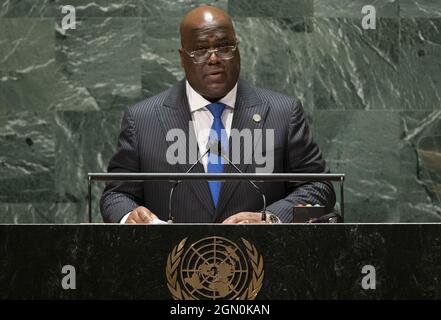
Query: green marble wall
x=373 y=96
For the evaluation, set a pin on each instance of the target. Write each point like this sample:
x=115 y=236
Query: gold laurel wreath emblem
x=174 y=259
x=258 y=272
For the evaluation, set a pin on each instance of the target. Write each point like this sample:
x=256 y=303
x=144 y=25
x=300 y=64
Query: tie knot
x=216 y=109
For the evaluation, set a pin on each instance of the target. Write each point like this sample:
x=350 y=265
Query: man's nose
x=213 y=58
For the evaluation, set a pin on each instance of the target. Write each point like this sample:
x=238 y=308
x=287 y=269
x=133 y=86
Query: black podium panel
x=371 y=261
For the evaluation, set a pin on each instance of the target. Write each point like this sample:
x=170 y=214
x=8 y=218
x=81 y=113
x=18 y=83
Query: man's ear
x=181 y=54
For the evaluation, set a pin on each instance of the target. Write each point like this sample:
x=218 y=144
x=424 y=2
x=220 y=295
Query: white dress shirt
x=203 y=120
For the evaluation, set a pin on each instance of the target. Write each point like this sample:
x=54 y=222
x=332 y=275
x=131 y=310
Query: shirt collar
x=197 y=102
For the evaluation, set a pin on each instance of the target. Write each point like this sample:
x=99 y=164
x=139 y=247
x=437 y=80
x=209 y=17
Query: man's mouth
x=215 y=75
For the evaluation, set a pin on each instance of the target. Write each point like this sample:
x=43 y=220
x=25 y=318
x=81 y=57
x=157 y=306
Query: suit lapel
x=247 y=105
x=175 y=114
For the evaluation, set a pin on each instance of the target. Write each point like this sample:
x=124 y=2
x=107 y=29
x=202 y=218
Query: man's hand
x=141 y=215
x=245 y=217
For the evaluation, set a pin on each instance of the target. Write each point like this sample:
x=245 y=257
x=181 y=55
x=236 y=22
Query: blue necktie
x=216 y=162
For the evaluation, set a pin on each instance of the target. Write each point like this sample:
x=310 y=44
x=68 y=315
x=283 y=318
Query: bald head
x=204 y=17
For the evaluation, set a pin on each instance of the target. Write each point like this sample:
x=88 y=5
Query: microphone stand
x=170 y=216
x=221 y=152
x=217 y=149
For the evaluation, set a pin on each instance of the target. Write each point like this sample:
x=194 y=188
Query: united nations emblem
x=214 y=268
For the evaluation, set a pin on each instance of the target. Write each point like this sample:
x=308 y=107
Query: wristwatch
x=269 y=217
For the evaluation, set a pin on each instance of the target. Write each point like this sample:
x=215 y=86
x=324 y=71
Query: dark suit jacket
x=142 y=147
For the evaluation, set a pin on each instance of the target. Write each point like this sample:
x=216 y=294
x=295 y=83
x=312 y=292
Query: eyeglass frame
x=211 y=51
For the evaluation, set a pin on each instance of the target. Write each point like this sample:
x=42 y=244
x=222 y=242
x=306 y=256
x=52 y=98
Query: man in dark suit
x=213 y=97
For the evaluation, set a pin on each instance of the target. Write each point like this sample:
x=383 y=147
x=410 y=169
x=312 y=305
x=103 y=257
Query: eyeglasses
x=203 y=55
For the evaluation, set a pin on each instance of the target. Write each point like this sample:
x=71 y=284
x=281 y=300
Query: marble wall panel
x=364 y=146
x=263 y=8
x=420 y=64
x=356 y=68
x=420 y=8
x=353 y=8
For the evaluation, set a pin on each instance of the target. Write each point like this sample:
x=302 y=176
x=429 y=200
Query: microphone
x=170 y=215
x=216 y=148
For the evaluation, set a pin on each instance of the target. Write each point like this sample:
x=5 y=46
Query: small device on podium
x=307 y=213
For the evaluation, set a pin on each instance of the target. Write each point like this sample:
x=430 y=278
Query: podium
x=287 y=261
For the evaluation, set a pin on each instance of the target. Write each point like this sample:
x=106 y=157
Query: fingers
x=244 y=218
x=141 y=215
x=231 y=220
x=236 y=218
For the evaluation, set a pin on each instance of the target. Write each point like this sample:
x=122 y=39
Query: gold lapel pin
x=257 y=118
